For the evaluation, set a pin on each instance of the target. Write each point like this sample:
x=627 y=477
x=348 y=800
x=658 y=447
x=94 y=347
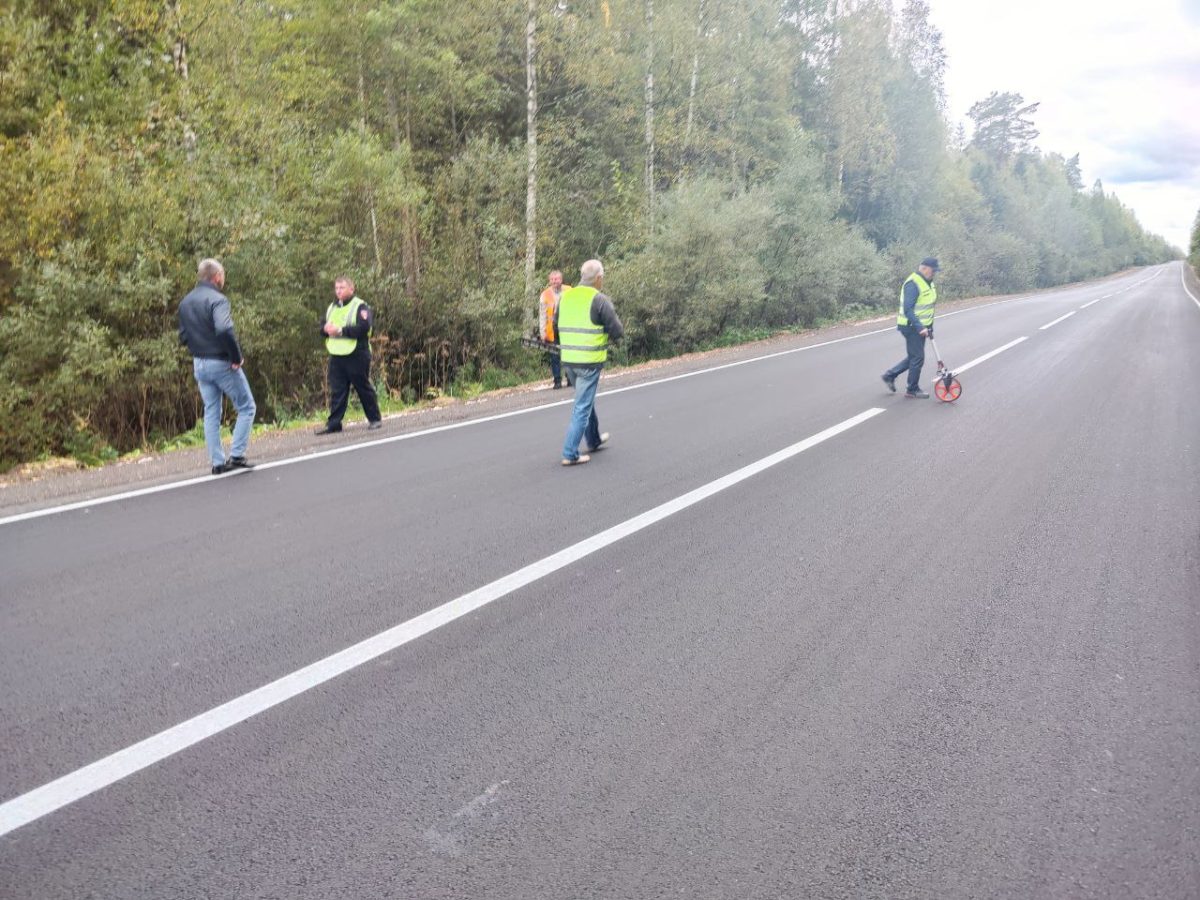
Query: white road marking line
x=1056 y=321
x=363 y=445
x=78 y=784
x=1185 y=287
x=743 y=362
x=1090 y=302
x=977 y=360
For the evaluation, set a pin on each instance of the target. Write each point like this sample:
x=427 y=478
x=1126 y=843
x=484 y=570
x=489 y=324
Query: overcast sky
x=1118 y=83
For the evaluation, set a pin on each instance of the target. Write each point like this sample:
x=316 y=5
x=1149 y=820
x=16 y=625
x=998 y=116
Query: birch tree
x=531 y=109
x=650 y=112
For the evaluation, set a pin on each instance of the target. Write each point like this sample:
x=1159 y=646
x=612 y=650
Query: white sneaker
x=604 y=436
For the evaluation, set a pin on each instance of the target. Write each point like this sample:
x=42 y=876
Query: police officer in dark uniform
x=347 y=332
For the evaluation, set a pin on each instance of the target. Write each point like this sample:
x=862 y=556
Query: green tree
x=1003 y=125
x=796 y=152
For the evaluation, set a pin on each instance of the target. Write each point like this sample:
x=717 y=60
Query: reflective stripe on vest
x=923 y=308
x=580 y=340
x=341 y=316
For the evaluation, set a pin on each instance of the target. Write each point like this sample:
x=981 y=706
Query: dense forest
x=739 y=166
x=1194 y=254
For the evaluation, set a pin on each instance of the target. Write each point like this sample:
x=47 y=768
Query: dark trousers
x=555 y=367
x=345 y=371
x=914 y=344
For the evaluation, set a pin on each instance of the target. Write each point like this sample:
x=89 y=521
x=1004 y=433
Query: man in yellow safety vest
x=347 y=331
x=585 y=322
x=918 y=297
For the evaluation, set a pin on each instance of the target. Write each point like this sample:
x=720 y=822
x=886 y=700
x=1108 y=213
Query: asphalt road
x=952 y=650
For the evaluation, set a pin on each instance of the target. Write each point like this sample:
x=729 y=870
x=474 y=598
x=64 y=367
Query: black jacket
x=206 y=324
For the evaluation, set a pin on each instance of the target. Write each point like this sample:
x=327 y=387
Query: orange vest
x=546 y=309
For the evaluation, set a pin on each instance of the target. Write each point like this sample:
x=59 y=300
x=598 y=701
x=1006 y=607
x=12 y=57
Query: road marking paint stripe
x=977 y=360
x=363 y=445
x=62 y=791
x=1185 y=287
x=378 y=442
x=743 y=362
x=1056 y=321
x=1090 y=302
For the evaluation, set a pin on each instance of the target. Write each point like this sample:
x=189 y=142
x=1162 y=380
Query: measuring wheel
x=947 y=389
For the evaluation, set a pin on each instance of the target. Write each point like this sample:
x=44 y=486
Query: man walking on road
x=585 y=322
x=547 y=308
x=347 y=330
x=915 y=321
x=206 y=327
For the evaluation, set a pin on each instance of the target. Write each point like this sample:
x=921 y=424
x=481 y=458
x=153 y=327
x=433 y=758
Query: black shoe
x=374 y=426
x=558 y=385
x=222 y=468
x=890 y=382
x=325 y=429
x=918 y=394
x=239 y=462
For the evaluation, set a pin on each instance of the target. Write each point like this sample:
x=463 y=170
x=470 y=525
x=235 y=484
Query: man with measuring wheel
x=347 y=331
x=918 y=297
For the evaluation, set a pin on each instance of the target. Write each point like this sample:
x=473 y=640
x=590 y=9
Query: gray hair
x=209 y=269
x=590 y=271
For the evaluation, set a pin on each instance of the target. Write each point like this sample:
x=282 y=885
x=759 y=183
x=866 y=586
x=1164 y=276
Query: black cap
x=931 y=262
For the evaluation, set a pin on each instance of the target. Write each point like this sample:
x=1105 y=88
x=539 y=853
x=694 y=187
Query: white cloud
x=1118 y=86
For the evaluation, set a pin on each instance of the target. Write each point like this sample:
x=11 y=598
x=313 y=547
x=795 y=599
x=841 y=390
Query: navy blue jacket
x=911 y=293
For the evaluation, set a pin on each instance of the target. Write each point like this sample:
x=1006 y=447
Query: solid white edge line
x=977 y=360
x=56 y=794
x=363 y=445
x=743 y=362
x=1183 y=282
x=1059 y=319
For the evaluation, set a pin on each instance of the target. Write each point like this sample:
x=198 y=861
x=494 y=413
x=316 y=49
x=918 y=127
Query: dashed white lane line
x=363 y=445
x=56 y=794
x=1059 y=319
x=977 y=360
x=1097 y=300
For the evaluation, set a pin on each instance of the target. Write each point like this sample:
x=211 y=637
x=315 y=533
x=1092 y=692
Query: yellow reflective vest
x=580 y=341
x=926 y=299
x=341 y=316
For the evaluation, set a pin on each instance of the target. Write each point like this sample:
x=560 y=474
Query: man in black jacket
x=347 y=331
x=206 y=327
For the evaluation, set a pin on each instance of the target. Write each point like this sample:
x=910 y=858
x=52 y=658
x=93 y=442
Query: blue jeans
x=914 y=359
x=584 y=423
x=217 y=379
